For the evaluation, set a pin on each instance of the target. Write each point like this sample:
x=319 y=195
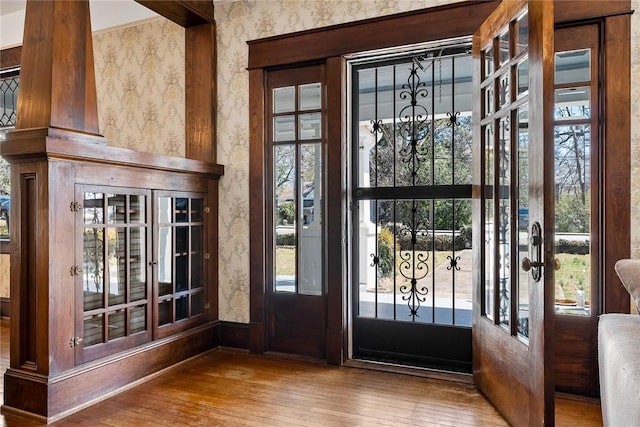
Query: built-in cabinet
x=140 y=271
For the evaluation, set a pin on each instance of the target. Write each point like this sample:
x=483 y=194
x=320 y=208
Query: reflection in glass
x=181 y=258
x=504 y=219
x=137 y=263
x=309 y=126
x=489 y=219
x=503 y=47
x=285 y=217
x=522 y=25
x=116 y=208
x=487 y=54
x=92 y=208
x=309 y=97
x=117 y=324
x=504 y=89
x=573 y=66
x=523 y=77
x=138 y=319
x=284 y=128
x=181 y=209
x=310 y=237
x=164 y=210
x=137 y=208
x=572 y=104
x=165 y=261
x=117 y=258
x=284 y=99
x=489 y=101
x=93 y=268
x=93 y=332
x=523 y=220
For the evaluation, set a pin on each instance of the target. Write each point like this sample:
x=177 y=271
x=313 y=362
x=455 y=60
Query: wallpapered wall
x=140 y=86
x=252 y=19
x=140 y=83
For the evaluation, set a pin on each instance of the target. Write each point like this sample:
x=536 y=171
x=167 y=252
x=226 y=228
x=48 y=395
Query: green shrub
x=578 y=247
x=286 y=239
x=286 y=213
x=387 y=245
x=443 y=242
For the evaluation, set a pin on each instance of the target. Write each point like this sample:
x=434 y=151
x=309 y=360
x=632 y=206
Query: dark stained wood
x=576 y=363
x=518 y=378
x=234 y=335
x=617 y=159
x=32 y=143
x=57 y=85
x=426 y=25
x=186 y=13
x=257 y=176
x=581 y=10
x=200 y=96
x=10 y=58
x=463 y=19
x=336 y=209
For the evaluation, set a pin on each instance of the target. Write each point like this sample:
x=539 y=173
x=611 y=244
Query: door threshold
x=415 y=371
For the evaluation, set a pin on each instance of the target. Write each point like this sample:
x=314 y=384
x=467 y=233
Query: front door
x=513 y=205
x=296 y=134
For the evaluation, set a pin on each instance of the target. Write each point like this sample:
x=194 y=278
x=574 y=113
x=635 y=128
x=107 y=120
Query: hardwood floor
x=227 y=388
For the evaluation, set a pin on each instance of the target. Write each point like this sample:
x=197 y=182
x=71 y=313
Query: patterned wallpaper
x=635 y=130
x=140 y=86
x=252 y=19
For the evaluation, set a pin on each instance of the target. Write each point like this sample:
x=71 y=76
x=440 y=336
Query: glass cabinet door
x=113 y=271
x=180 y=261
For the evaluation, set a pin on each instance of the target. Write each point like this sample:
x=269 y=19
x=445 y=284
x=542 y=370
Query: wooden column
x=57 y=104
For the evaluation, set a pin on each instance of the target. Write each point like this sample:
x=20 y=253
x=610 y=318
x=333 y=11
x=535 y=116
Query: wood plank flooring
x=227 y=388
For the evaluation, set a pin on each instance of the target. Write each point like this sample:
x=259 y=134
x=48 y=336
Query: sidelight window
x=297 y=151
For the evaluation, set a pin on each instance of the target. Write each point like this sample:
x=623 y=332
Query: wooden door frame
x=330 y=44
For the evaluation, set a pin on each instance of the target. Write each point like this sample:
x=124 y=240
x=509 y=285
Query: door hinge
x=206 y=306
x=74 y=342
x=207 y=255
x=75 y=206
x=207 y=209
x=75 y=270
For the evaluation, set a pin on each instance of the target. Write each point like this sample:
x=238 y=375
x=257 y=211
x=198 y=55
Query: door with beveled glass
x=295 y=294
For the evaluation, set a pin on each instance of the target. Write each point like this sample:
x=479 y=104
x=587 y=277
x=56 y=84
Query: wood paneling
x=57 y=84
x=10 y=58
x=257 y=205
x=186 y=13
x=200 y=96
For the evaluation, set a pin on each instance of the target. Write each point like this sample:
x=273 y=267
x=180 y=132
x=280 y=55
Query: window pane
x=196 y=304
x=572 y=104
x=117 y=324
x=310 y=237
x=93 y=332
x=504 y=219
x=310 y=126
x=137 y=264
x=573 y=218
x=92 y=208
x=523 y=220
x=137 y=209
x=573 y=66
x=165 y=312
x=181 y=307
x=116 y=209
x=309 y=97
x=165 y=261
x=523 y=77
x=93 y=268
x=164 y=210
x=138 y=321
x=284 y=99
x=181 y=209
x=522 y=25
x=503 y=47
x=284 y=128
x=117 y=258
x=285 y=217
x=182 y=257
